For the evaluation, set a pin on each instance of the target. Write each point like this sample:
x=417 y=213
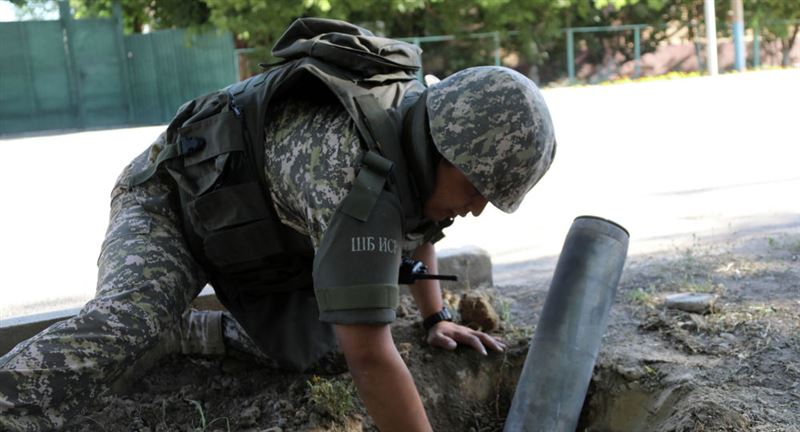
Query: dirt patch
x=736 y=368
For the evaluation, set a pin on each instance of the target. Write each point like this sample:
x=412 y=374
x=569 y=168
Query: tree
x=778 y=21
x=35 y=9
x=156 y=14
x=531 y=30
x=260 y=22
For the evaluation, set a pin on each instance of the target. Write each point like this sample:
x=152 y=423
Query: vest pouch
x=207 y=148
x=250 y=242
x=236 y=225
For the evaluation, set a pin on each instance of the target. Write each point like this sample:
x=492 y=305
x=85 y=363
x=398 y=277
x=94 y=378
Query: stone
x=476 y=312
x=250 y=415
x=450 y=299
x=401 y=311
x=698 y=321
x=282 y=405
x=678 y=377
x=471 y=264
x=404 y=348
x=691 y=302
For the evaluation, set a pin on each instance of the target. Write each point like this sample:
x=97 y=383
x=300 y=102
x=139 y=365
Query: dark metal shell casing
x=558 y=367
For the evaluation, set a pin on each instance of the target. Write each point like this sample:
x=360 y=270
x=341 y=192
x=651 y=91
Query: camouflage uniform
x=491 y=123
x=147 y=276
x=307 y=182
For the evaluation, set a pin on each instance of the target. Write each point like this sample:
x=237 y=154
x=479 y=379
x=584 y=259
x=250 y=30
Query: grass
x=332 y=397
x=665 y=77
x=516 y=332
x=791 y=247
x=694 y=273
x=95 y=422
x=650 y=371
x=505 y=310
x=794 y=341
x=739 y=319
x=691 y=272
x=203 y=424
x=642 y=296
x=773 y=244
x=795 y=247
x=703 y=286
x=674 y=75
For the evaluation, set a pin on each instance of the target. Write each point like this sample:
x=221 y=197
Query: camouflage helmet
x=492 y=123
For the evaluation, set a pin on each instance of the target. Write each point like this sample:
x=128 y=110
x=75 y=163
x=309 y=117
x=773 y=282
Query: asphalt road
x=672 y=161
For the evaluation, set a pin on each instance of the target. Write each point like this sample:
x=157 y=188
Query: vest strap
x=386 y=140
x=381 y=128
x=367 y=186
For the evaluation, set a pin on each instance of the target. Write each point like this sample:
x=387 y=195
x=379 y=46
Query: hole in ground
x=479 y=399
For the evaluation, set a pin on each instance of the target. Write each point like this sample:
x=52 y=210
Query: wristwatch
x=442 y=315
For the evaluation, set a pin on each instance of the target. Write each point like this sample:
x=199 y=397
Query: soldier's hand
x=448 y=335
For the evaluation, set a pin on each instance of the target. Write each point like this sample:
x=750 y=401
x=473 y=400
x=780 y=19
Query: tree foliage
x=778 y=21
x=155 y=14
x=532 y=28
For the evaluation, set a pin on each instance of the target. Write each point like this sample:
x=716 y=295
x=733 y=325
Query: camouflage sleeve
x=357 y=264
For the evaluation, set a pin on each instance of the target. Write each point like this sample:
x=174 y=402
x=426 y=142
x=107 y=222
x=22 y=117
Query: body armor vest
x=215 y=153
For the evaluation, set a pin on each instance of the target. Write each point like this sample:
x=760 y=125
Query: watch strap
x=442 y=315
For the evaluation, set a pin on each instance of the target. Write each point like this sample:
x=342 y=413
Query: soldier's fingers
x=471 y=340
x=439 y=340
x=491 y=342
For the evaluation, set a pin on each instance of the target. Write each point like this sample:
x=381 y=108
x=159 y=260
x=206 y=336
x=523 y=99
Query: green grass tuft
x=203 y=424
x=642 y=296
x=332 y=397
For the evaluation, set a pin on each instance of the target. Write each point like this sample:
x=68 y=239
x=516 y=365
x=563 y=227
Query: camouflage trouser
x=146 y=279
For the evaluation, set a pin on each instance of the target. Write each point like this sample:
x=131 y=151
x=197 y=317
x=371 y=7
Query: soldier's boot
x=209 y=333
x=201 y=332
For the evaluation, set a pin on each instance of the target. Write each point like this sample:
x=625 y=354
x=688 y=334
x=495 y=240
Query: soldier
x=181 y=215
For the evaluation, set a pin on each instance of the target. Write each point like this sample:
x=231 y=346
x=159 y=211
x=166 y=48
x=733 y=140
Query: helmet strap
x=418 y=147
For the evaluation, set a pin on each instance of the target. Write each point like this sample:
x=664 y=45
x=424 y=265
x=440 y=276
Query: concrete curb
x=471 y=264
x=17 y=329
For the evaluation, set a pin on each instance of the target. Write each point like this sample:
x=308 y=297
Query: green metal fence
x=169 y=67
x=605 y=53
x=34 y=90
x=636 y=29
x=77 y=74
x=629 y=41
x=439 y=49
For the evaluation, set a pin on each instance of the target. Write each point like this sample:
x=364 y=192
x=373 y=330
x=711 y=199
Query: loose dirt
x=736 y=368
